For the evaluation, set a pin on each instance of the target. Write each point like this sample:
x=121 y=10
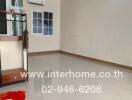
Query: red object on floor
x=19 y=95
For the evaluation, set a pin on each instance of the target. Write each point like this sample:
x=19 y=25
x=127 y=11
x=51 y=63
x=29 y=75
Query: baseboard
x=80 y=56
x=98 y=60
x=43 y=53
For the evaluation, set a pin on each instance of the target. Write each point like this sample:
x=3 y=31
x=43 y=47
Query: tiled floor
x=113 y=89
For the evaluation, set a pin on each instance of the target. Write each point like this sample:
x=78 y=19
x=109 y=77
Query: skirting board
x=43 y=53
x=98 y=60
x=80 y=56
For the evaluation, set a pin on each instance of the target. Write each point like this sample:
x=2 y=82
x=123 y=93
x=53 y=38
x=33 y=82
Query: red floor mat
x=13 y=95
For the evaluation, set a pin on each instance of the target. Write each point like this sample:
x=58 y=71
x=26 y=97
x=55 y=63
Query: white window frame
x=42 y=23
x=32 y=22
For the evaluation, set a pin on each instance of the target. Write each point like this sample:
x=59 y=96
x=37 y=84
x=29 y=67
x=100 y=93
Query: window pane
x=13 y=2
x=46 y=23
x=39 y=15
x=50 y=15
x=34 y=22
x=46 y=15
x=20 y=3
x=35 y=14
x=39 y=30
x=46 y=31
x=34 y=29
x=40 y=22
x=50 y=23
x=50 y=31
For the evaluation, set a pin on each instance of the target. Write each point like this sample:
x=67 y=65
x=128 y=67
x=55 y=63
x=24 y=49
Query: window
x=43 y=23
x=13 y=2
x=11 y=27
x=37 y=22
x=17 y=3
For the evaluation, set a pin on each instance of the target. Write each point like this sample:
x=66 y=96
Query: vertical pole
x=22 y=44
x=27 y=44
x=0 y=71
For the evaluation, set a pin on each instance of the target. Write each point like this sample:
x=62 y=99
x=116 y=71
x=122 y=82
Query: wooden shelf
x=12 y=76
x=10 y=38
x=11 y=12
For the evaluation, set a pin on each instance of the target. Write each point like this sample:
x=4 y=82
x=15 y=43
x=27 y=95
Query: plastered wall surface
x=100 y=29
x=11 y=54
x=37 y=42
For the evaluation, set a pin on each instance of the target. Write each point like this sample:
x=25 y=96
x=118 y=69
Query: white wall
x=38 y=43
x=94 y=28
x=11 y=54
x=99 y=29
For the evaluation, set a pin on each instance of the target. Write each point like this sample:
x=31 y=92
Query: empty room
x=65 y=49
